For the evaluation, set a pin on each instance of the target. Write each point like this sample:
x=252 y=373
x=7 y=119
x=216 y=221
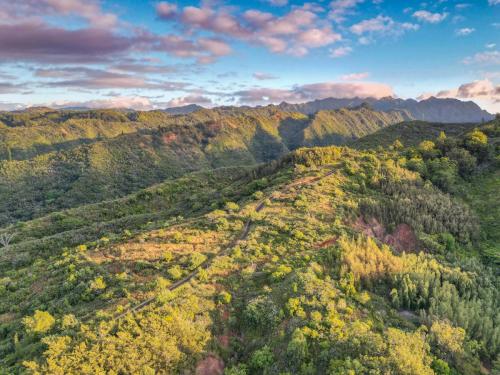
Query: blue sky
x=153 y=54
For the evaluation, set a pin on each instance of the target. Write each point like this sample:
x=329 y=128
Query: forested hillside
x=54 y=160
x=410 y=133
x=326 y=260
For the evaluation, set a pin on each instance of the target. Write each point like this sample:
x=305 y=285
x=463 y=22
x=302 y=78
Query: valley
x=248 y=241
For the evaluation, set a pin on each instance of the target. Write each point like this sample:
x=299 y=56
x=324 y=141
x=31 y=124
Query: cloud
x=383 y=25
x=295 y=32
x=355 y=76
x=494 y=2
x=341 y=8
x=263 y=76
x=340 y=52
x=89 y=10
x=314 y=91
x=190 y=99
x=5 y=106
x=166 y=10
x=132 y=102
x=10 y=88
x=426 y=16
x=136 y=67
x=481 y=91
x=484 y=58
x=43 y=43
x=278 y=3
x=88 y=78
x=29 y=38
x=465 y=31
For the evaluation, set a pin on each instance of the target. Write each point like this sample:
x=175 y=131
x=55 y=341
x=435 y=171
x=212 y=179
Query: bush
x=40 y=322
x=175 y=272
x=232 y=207
x=262 y=358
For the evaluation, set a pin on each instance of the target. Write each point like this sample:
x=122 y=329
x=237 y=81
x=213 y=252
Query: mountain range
x=431 y=109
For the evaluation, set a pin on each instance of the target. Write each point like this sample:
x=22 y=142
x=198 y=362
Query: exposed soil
x=169 y=138
x=329 y=242
x=212 y=365
x=402 y=239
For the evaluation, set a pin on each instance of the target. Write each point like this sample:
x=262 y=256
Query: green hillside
x=328 y=260
x=409 y=133
x=73 y=160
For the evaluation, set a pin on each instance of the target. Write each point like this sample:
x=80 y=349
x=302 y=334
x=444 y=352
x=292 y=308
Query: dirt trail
x=243 y=235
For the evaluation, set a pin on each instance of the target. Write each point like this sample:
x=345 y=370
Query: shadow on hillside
x=292 y=131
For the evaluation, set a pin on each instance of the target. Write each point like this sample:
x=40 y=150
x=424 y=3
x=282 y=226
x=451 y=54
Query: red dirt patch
x=402 y=239
x=169 y=138
x=224 y=341
x=212 y=365
x=329 y=242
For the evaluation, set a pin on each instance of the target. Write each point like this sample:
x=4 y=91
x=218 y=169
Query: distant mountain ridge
x=432 y=109
x=183 y=110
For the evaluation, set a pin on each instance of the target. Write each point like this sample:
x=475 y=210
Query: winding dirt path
x=242 y=236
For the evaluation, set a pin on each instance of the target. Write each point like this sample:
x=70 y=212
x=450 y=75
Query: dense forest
x=228 y=241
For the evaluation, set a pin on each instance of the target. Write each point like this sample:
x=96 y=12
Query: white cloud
x=355 y=76
x=383 y=25
x=484 y=58
x=426 y=16
x=340 y=52
x=134 y=102
x=465 y=31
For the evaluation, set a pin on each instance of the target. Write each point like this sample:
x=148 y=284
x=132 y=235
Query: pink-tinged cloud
x=296 y=32
x=263 y=76
x=313 y=38
x=340 y=52
x=88 y=9
x=31 y=10
x=483 y=92
x=40 y=42
x=315 y=91
x=166 y=10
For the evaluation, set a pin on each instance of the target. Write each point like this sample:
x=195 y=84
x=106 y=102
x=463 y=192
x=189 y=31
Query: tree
x=397 y=145
x=40 y=322
x=428 y=149
x=448 y=339
x=262 y=358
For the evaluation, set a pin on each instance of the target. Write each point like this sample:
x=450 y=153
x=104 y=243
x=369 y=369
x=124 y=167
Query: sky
x=146 y=54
